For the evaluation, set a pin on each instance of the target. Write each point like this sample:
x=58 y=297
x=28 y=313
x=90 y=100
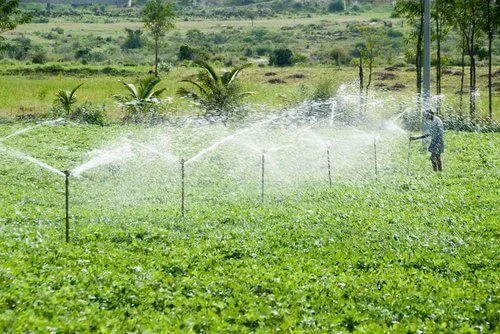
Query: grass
x=385 y=256
x=22 y=95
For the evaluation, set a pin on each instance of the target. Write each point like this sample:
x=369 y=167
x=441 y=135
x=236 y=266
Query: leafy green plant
x=65 y=99
x=335 y=6
x=11 y=15
x=218 y=94
x=90 y=114
x=141 y=98
x=322 y=89
x=281 y=57
x=133 y=40
x=362 y=256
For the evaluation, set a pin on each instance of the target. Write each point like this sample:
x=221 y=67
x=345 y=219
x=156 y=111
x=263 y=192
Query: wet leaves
x=395 y=255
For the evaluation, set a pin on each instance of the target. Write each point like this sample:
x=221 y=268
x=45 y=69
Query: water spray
x=66 y=175
x=29 y=128
x=183 y=209
x=262 y=175
x=329 y=165
x=408 y=159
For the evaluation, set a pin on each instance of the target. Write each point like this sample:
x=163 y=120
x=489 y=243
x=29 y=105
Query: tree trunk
x=361 y=84
x=438 y=63
x=472 y=89
x=472 y=79
x=156 y=56
x=370 y=71
x=462 y=77
x=360 y=72
x=418 y=58
x=490 y=83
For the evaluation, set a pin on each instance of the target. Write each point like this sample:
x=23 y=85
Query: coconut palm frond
x=245 y=94
x=228 y=77
x=208 y=68
x=202 y=90
x=131 y=88
x=188 y=93
x=157 y=93
x=142 y=96
x=206 y=79
x=147 y=85
x=63 y=97
x=66 y=98
x=215 y=92
x=73 y=91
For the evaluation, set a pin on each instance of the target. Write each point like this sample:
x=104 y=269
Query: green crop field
x=413 y=252
x=230 y=175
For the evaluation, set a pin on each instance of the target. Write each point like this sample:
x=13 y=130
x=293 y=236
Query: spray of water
x=214 y=146
x=23 y=156
x=30 y=128
x=104 y=157
x=169 y=157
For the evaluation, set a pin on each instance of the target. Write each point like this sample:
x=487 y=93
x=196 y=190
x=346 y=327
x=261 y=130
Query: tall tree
x=11 y=15
x=413 y=11
x=158 y=16
x=491 y=17
x=442 y=16
x=367 y=51
x=462 y=76
x=467 y=16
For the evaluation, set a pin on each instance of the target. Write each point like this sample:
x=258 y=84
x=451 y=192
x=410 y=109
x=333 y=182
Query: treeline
x=474 y=21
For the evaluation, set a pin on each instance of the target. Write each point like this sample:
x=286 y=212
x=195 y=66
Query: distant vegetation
x=110 y=38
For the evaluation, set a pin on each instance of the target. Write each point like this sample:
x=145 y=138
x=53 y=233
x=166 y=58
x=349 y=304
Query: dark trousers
x=437 y=165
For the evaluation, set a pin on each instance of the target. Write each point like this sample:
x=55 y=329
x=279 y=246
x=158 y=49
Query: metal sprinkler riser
x=66 y=175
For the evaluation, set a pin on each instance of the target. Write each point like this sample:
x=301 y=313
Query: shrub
x=219 y=94
x=335 y=6
x=186 y=53
x=141 y=98
x=39 y=58
x=281 y=57
x=91 y=114
x=65 y=99
x=323 y=89
x=393 y=33
x=18 y=48
x=356 y=8
x=134 y=39
x=299 y=58
x=262 y=50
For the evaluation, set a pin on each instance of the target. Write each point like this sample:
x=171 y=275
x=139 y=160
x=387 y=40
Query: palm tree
x=217 y=94
x=142 y=97
x=66 y=99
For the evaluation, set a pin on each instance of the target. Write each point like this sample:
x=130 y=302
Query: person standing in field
x=435 y=131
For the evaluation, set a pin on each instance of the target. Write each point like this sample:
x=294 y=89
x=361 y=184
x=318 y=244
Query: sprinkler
x=329 y=165
x=408 y=159
x=262 y=176
x=182 y=187
x=375 y=158
x=67 y=174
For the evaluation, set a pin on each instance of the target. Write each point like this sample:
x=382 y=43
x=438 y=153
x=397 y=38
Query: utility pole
x=426 y=86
